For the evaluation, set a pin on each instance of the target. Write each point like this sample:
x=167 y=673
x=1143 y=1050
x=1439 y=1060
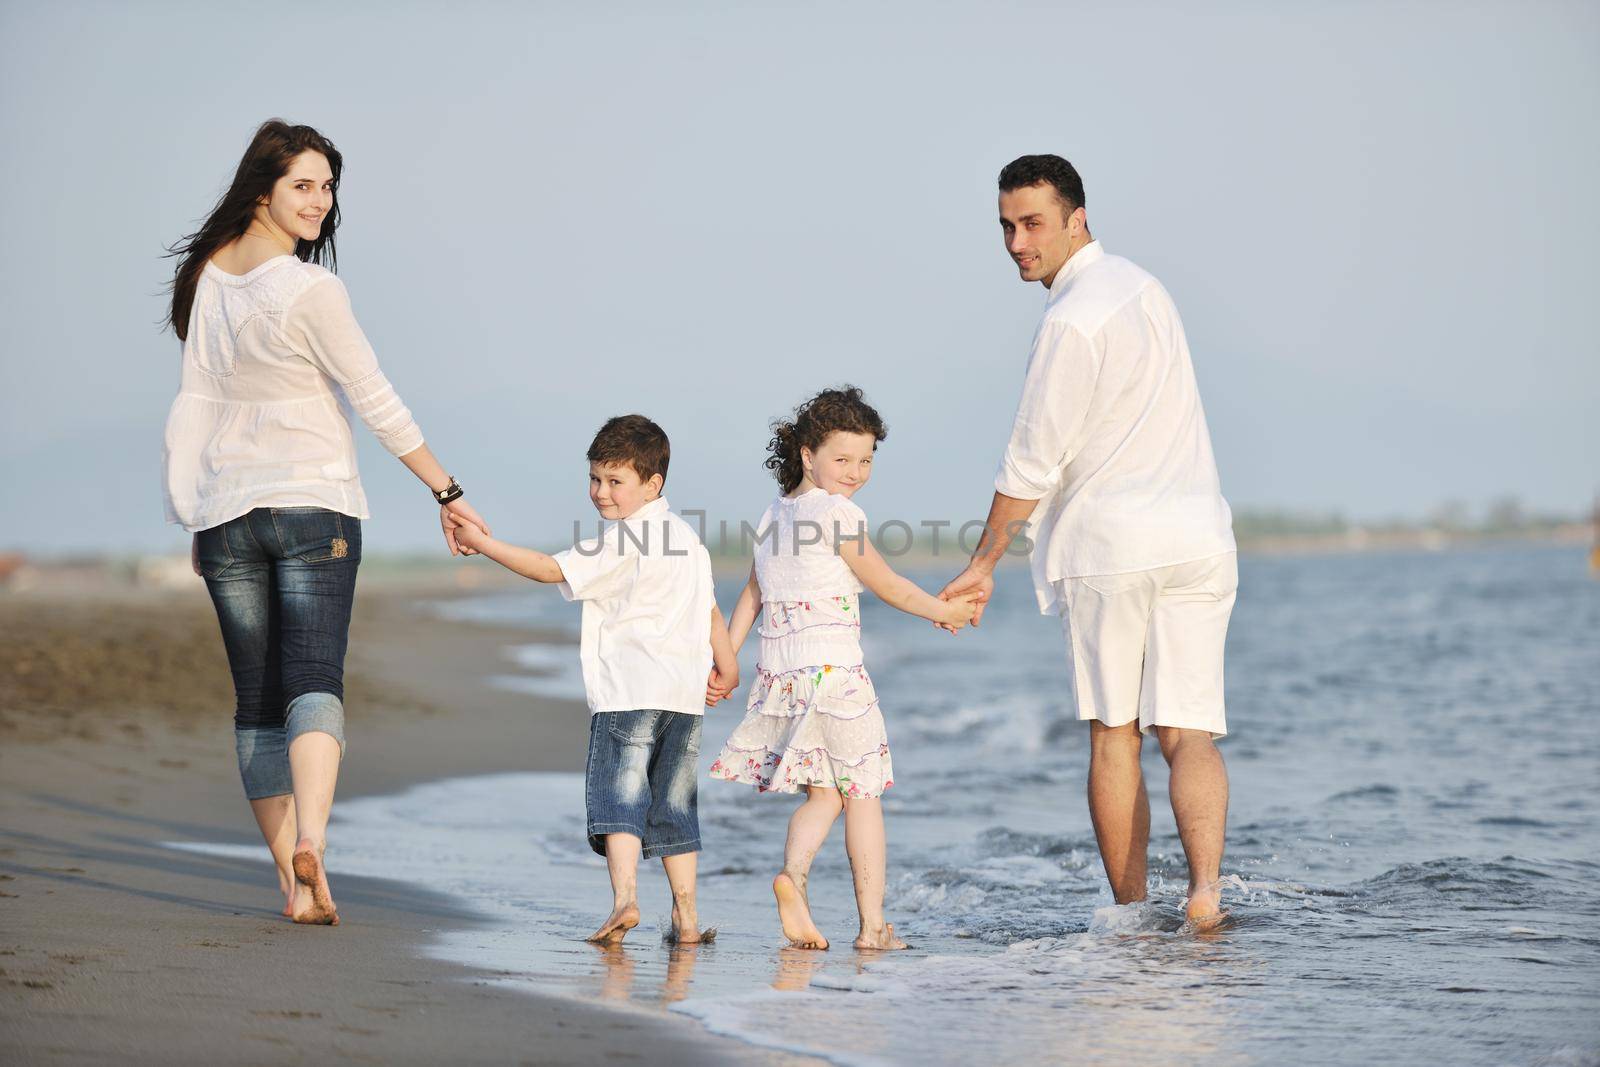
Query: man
x=1132 y=542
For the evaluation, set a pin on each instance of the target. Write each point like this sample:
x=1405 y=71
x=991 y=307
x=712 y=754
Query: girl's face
x=842 y=463
x=302 y=198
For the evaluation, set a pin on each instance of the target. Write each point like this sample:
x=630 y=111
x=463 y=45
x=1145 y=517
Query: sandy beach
x=115 y=736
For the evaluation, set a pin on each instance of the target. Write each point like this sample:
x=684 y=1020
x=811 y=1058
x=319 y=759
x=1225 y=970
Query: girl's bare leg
x=808 y=829
x=275 y=817
x=867 y=844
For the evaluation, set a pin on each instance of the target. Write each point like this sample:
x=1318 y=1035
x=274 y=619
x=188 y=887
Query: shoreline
x=114 y=945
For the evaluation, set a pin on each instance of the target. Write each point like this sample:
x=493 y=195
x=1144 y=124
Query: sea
x=1412 y=870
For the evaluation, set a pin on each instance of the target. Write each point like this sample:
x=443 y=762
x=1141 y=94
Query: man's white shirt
x=1110 y=436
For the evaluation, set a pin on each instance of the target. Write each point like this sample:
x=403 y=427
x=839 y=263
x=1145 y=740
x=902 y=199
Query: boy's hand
x=470 y=537
x=453 y=517
x=719 y=686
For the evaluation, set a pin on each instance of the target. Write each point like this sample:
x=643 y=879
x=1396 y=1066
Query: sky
x=1377 y=220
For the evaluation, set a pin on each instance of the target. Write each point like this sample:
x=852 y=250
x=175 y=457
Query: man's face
x=1038 y=230
x=617 y=491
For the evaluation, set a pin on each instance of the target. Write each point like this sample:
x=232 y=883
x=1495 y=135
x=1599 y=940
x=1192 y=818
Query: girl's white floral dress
x=812 y=717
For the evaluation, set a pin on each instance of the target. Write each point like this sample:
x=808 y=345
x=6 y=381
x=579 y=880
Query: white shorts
x=1148 y=644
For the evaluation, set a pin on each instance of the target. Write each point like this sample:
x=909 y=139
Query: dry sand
x=115 y=735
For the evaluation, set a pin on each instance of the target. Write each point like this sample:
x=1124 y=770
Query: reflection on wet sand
x=796 y=967
x=620 y=966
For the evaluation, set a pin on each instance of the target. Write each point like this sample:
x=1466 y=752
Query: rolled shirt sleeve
x=1049 y=427
x=321 y=325
x=594 y=569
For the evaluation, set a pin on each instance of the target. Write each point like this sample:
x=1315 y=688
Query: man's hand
x=977 y=578
x=453 y=517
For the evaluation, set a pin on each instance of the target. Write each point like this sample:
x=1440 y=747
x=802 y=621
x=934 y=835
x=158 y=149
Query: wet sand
x=115 y=736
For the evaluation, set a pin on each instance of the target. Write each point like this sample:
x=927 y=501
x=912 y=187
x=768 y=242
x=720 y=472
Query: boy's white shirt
x=645 y=584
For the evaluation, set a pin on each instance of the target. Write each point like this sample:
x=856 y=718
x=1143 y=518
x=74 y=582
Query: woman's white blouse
x=273 y=366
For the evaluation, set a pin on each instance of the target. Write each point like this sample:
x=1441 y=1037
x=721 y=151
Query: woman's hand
x=470 y=538
x=452 y=517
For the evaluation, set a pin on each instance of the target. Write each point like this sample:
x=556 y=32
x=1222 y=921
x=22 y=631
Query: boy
x=648 y=602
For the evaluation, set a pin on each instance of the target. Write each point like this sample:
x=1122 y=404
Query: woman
x=260 y=464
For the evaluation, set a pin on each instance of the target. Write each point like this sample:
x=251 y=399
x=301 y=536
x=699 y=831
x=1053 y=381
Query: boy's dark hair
x=634 y=441
x=830 y=411
x=1025 y=171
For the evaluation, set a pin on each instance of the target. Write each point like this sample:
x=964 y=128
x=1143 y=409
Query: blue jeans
x=641 y=780
x=283 y=581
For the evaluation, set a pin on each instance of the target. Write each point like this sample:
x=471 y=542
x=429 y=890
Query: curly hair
x=632 y=441
x=841 y=410
x=1025 y=171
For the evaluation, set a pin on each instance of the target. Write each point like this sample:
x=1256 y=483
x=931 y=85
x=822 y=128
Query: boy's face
x=617 y=491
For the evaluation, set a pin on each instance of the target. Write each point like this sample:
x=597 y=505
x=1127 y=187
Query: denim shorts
x=283 y=581
x=641 y=780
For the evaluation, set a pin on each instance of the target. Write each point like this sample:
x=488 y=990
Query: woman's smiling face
x=302 y=198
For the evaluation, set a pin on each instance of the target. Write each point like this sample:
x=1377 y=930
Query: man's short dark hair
x=633 y=441
x=1026 y=171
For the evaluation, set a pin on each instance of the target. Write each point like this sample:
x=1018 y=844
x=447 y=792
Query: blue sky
x=1377 y=221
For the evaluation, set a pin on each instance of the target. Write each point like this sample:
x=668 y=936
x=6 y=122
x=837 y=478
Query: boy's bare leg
x=808 y=829
x=1199 y=788
x=868 y=847
x=275 y=817
x=1119 y=807
x=622 y=862
x=680 y=876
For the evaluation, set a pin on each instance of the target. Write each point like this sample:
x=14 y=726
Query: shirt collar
x=1074 y=266
x=649 y=511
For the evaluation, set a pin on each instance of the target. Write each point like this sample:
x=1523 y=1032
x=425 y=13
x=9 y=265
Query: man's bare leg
x=1119 y=807
x=622 y=862
x=685 y=922
x=1199 y=788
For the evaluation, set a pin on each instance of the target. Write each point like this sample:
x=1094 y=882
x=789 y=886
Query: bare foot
x=313 y=904
x=880 y=940
x=286 y=884
x=1203 y=910
x=622 y=919
x=796 y=915
x=686 y=925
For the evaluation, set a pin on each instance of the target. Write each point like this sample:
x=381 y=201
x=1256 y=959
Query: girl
x=813 y=722
x=260 y=465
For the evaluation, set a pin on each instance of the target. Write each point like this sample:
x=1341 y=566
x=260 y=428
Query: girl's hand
x=452 y=517
x=960 y=610
x=719 y=686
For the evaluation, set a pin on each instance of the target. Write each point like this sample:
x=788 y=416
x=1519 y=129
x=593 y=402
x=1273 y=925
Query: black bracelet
x=453 y=491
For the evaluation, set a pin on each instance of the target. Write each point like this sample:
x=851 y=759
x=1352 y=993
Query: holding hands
x=976 y=583
x=456 y=517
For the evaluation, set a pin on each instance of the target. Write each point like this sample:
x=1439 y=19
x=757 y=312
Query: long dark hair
x=275 y=145
x=830 y=411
